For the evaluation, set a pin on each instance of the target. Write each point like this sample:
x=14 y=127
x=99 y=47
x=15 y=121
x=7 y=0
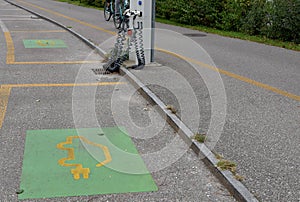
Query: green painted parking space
x=51 y=43
x=79 y=162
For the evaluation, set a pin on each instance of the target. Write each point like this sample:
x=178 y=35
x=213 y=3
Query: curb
x=235 y=187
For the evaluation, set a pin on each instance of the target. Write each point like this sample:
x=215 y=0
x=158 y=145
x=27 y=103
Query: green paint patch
x=70 y=162
x=51 y=43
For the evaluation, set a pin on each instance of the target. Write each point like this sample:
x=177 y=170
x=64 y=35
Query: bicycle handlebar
x=128 y=13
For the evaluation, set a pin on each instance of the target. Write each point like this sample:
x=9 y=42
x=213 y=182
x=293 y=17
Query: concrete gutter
x=235 y=187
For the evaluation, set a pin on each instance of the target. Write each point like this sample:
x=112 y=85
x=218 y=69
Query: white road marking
x=3 y=27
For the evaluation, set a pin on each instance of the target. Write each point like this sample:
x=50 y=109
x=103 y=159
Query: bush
x=285 y=20
x=276 y=19
x=257 y=18
x=178 y=11
x=97 y=3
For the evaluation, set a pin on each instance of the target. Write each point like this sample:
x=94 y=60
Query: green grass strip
x=231 y=34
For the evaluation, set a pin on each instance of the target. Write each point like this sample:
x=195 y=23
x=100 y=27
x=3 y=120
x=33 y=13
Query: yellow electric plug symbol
x=45 y=43
x=78 y=170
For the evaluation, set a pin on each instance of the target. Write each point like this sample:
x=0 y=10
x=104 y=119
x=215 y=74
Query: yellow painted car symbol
x=78 y=170
x=45 y=43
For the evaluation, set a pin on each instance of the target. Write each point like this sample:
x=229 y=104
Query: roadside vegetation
x=231 y=166
x=200 y=137
x=273 y=22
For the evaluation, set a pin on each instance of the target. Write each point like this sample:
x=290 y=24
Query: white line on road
x=3 y=27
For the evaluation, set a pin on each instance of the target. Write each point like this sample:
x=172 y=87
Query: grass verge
x=79 y=3
x=238 y=35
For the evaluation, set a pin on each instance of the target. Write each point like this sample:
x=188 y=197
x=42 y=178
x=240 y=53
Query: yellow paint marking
x=236 y=76
x=5 y=90
x=71 y=156
x=10 y=54
x=38 y=31
x=61 y=84
x=4 y=96
x=69 y=18
x=241 y=78
x=41 y=43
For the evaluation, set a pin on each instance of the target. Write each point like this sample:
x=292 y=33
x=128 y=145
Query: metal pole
x=152 y=31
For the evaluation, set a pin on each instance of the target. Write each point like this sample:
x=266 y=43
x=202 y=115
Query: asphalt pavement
x=51 y=86
x=248 y=107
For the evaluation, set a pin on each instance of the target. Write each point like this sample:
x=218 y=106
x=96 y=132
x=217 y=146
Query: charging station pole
x=148 y=21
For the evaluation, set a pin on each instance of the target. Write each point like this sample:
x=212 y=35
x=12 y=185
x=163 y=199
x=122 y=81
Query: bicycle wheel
x=117 y=21
x=107 y=10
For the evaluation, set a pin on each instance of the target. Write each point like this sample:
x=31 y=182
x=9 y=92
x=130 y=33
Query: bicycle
x=120 y=52
x=118 y=20
x=109 y=9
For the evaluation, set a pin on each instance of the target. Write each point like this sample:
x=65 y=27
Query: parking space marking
x=10 y=55
x=227 y=73
x=4 y=96
x=5 y=90
x=69 y=18
x=44 y=43
x=46 y=150
x=3 y=27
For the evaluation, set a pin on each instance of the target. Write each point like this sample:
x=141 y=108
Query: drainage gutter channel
x=235 y=187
